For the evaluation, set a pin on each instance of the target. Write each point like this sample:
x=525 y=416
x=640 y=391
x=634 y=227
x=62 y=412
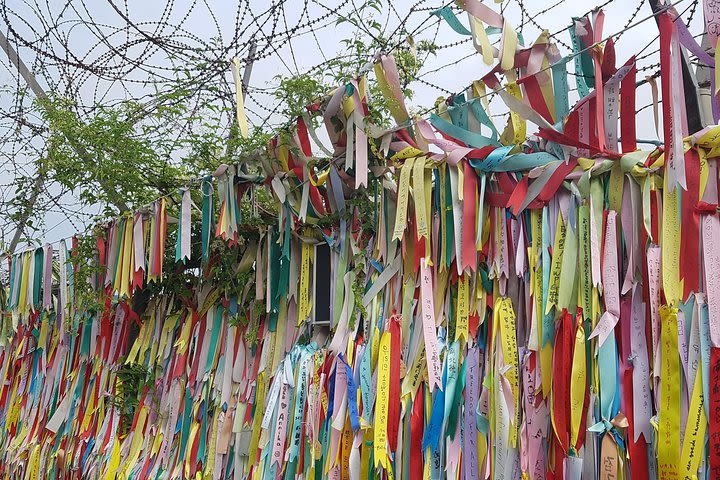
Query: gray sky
x=194 y=21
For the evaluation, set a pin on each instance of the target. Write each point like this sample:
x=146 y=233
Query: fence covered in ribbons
x=439 y=300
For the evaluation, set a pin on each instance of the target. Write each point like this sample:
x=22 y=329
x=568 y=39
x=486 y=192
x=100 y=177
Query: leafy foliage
x=131 y=381
x=298 y=91
x=121 y=156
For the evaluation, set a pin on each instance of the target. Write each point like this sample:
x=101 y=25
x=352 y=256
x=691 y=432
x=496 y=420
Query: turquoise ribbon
x=492 y=160
x=476 y=107
x=12 y=303
x=608 y=368
x=560 y=89
x=453 y=352
x=452 y=20
x=584 y=69
x=366 y=393
x=449 y=16
x=457 y=401
x=217 y=326
x=299 y=408
x=459 y=114
x=471 y=139
x=525 y=161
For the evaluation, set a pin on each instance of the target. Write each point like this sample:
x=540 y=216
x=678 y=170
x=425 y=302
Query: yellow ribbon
x=402 y=202
x=506 y=315
x=381 y=405
x=694 y=440
x=304 y=303
x=669 y=431
x=671 y=246
x=577 y=383
x=555 y=270
x=421 y=219
x=463 y=308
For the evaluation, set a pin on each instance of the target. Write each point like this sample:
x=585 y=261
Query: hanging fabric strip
x=581 y=77
x=182 y=249
x=672 y=129
x=669 y=430
x=207 y=215
x=432 y=353
x=239 y=99
x=47 y=277
x=139 y=250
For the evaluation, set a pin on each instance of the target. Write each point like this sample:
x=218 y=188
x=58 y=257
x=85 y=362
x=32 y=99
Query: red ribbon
x=518 y=195
x=608 y=60
x=469 y=230
x=506 y=181
x=535 y=96
x=394 y=392
x=627 y=109
x=666 y=26
x=706 y=208
x=599 y=94
x=690 y=225
x=552 y=185
x=714 y=410
x=303 y=137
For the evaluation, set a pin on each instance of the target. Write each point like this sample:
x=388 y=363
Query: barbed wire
x=104 y=53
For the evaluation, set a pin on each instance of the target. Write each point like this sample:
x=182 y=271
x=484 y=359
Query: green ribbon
x=87 y=333
x=457 y=400
x=38 y=276
x=207 y=214
x=186 y=421
x=217 y=326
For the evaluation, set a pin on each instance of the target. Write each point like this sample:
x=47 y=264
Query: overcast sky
x=451 y=69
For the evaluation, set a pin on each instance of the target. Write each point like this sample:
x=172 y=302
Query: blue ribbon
x=492 y=160
x=431 y=437
x=352 y=397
